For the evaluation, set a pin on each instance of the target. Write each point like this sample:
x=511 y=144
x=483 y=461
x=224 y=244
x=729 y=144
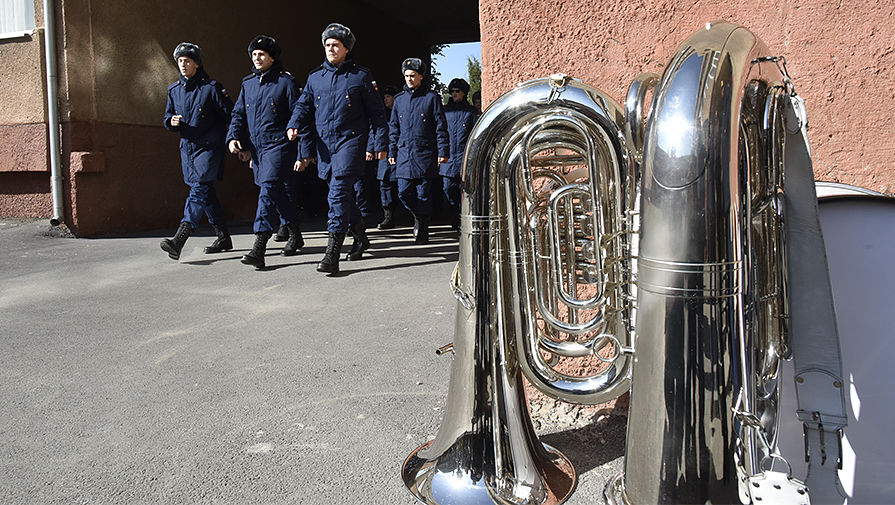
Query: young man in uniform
x=258 y=132
x=418 y=142
x=199 y=109
x=461 y=117
x=338 y=110
x=385 y=171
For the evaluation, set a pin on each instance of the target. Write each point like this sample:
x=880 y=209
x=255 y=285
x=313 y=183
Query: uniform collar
x=197 y=78
x=420 y=90
x=270 y=74
x=349 y=63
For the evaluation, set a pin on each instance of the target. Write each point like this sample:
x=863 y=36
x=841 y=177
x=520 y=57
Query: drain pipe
x=52 y=112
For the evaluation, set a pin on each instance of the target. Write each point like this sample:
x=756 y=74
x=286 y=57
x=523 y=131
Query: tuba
x=654 y=253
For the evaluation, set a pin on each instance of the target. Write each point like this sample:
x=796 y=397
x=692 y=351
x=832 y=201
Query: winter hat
x=460 y=84
x=191 y=51
x=413 y=64
x=390 y=90
x=339 y=32
x=267 y=44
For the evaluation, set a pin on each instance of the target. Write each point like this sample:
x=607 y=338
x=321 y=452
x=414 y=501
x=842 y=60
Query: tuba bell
x=656 y=251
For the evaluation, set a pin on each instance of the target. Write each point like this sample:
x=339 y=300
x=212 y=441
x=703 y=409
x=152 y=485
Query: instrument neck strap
x=820 y=390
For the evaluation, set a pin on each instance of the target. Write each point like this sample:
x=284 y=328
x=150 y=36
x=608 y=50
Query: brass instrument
x=552 y=262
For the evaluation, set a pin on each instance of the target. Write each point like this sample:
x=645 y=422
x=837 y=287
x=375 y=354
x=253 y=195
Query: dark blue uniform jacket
x=259 y=122
x=205 y=107
x=384 y=171
x=417 y=133
x=335 y=115
x=460 y=119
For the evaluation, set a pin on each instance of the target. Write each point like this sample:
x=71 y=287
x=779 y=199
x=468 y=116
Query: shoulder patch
x=221 y=89
x=375 y=86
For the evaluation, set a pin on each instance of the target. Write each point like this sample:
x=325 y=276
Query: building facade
x=120 y=169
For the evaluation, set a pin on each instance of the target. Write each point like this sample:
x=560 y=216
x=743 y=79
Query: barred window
x=16 y=18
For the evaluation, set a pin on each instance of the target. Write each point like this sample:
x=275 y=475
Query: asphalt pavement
x=129 y=378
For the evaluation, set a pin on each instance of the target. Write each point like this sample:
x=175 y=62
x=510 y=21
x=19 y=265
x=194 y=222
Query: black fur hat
x=267 y=44
x=190 y=50
x=390 y=90
x=460 y=84
x=413 y=64
x=339 y=32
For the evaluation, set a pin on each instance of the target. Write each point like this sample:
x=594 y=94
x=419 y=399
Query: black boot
x=282 y=234
x=422 y=234
x=361 y=241
x=174 y=245
x=295 y=243
x=255 y=257
x=223 y=242
x=388 y=221
x=330 y=262
x=416 y=225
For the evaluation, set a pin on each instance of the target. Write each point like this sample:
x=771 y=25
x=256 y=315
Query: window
x=16 y=18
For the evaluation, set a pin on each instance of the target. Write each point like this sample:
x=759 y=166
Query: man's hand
x=175 y=120
x=291 y=133
x=442 y=159
x=244 y=155
x=235 y=147
x=302 y=164
x=369 y=156
x=380 y=155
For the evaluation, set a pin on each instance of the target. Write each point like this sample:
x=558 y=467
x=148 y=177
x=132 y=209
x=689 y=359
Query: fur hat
x=267 y=44
x=190 y=50
x=460 y=84
x=413 y=64
x=390 y=90
x=339 y=32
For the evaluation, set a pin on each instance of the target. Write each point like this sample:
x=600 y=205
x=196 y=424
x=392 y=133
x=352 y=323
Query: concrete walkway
x=131 y=378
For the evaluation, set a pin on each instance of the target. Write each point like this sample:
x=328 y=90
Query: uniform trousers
x=451 y=188
x=203 y=199
x=273 y=202
x=290 y=182
x=361 y=185
x=416 y=194
x=343 y=211
x=388 y=193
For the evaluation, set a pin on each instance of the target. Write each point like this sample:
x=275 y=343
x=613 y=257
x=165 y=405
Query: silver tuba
x=712 y=292
x=552 y=262
x=543 y=276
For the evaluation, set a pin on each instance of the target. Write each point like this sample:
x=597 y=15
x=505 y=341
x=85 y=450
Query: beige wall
x=841 y=55
x=24 y=176
x=22 y=77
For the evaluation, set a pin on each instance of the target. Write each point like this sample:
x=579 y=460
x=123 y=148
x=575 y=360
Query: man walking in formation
x=258 y=132
x=385 y=171
x=198 y=108
x=338 y=109
x=418 y=142
x=461 y=117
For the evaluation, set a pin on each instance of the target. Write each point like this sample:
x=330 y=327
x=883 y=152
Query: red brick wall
x=841 y=56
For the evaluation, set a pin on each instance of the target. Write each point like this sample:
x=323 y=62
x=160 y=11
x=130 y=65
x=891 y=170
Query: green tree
x=434 y=75
x=474 y=69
